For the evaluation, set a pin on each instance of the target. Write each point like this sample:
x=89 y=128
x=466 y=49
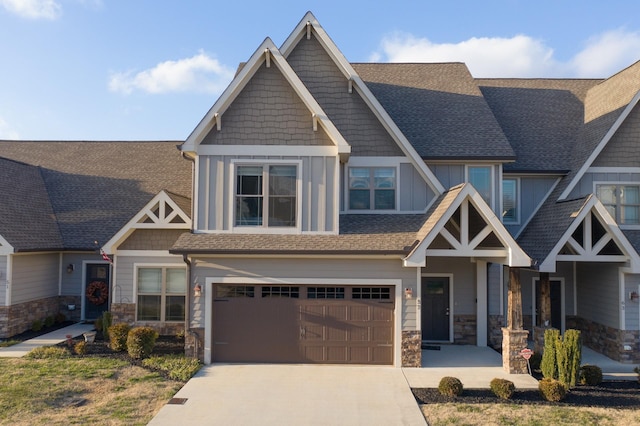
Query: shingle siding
x=151 y=239
x=623 y=150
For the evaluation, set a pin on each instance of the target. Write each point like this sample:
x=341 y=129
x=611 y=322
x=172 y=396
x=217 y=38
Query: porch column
x=544 y=312
x=514 y=338
x=481 y=303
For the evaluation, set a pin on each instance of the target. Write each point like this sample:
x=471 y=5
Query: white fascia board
x=5 y=247
x=350 y=74
x=605 y=140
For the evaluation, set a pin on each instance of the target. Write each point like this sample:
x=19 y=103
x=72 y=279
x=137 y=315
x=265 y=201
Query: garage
x=303 y=324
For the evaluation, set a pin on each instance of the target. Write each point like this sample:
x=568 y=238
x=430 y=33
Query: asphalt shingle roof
x=93 y=188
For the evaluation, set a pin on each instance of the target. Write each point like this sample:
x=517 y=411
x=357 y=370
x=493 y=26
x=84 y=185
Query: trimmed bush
x=590 y=375
x=552 y=390
x=568 y=356
x=48 y=352
x=97 y=324
x=36 y=325
x=49 y=321
x=502 y=388
x=107 y=320
x=118 y=336
x=549 y=365
x=450 y=386
x=60 y=318
x=80 y=348
x=140 y=342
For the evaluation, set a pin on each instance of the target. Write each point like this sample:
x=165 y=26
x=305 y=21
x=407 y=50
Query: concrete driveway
x=293 y=395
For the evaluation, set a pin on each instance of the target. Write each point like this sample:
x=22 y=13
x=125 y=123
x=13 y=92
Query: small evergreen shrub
x=502 y=388
x=552 y=390
x=49 y=321
x=107 y=321
x=450 y=386
x=590 y=375
x=48 y=352
x=568 y=356
x=118 y=336
x=549 y=365
x=80 y=348
x=60 y=318
x=36 y=325
x=140 y=342
x=97 y=324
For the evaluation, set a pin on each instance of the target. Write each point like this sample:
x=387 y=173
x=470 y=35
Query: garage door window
x=325 y=293
x=375 y=293
x=235 y=291
x=161 y=294
x=279 y=291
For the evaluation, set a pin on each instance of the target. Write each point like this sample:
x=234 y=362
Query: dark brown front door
x=303 y=324
x=96 y=294
x=435 y=308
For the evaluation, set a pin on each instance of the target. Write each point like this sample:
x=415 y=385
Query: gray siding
x=415 y=194
x=34 y=277
x=267 y=112
x=622 y=150
x=307 y=268
x=585 y=186
x=532 y=192
x=598 y=294
x=464 y=281
x=348 y=111
x=449 y=175
x=632 y=308
x=125 y=273
x=494 y=291
x=317 y=193
x=4 y=280
x=72 y=283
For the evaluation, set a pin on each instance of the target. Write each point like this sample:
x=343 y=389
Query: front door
x=96 y=294
x=435 y=308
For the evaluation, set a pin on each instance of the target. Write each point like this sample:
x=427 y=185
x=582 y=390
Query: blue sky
x=150 y=69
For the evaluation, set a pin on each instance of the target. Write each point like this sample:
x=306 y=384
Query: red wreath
x=97 y=292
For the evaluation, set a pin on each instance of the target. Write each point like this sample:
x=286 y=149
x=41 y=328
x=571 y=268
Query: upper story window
x=372 y=188
x=510 y=213
x=622 y=202
x=266 y=195
x=481 y=179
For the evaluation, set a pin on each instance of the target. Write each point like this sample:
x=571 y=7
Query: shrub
x=552 y=390
x=502 y=388
x=118 y=336
x=49 y=321
x=140 y=342
x=49 y=352
x=60 y=318
x=450 y=386
x=178 y=367
x=590 y=375
x=36 y=325
x=549 y=365
x=97 y=324
x=107 y=321
x=80 y=348
x=568 y=356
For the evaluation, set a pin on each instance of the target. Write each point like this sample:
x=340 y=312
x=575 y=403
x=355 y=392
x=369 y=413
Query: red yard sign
x=526 y=353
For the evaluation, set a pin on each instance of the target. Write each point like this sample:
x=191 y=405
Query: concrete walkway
x=49 y=339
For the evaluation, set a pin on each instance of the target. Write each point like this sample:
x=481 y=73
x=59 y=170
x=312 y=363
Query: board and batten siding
x=35 y=276
x=598 y=293
x=585 y=186
x=215 y=184
x=125 y=277
x=334 y=269
x=463 y=287
x=631 y=307
x=533 y=191
x=4 y=280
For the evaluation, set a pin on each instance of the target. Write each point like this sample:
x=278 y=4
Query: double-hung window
x=372 y=188
x=265 y=195
x=622 y=201
x=161 y=293
x=510 y=201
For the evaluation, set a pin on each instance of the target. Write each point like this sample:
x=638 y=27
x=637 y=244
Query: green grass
x=8 y=343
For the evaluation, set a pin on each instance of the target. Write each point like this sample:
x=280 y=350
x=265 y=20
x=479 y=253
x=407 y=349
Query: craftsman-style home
x=324 y=211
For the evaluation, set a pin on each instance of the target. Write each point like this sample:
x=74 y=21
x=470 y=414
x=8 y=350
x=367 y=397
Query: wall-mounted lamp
x=70 y=268
x=408 y=293
x=633 y=296
x=197 y=290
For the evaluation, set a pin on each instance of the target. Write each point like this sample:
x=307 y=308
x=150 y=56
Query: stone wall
x=465 y=330
x=18 y=318
x=619 y=345
x=412 y=348
x=513 y=341
x=194 y=343
x=496 y=322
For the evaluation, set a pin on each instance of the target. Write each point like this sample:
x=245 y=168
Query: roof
x=439 y=108
x=91 y=188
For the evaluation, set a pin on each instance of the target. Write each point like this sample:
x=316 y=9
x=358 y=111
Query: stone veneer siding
x=513 y=341
x=126 y=312
x=412 y=348
x=194 y=343
x=607 y=340
x=496 y=322
x=19 y=318
x=465 y=329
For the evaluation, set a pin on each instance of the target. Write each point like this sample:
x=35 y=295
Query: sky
x=151 y=69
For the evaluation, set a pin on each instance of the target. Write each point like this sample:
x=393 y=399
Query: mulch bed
x=623 y=394
x=30 y=334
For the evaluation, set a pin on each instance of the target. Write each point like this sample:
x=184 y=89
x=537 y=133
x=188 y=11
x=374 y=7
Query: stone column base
x=411 y=349
x=513 y=341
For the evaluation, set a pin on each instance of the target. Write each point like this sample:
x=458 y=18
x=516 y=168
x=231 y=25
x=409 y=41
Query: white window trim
x=137 y=266
x=518 y=193
x=264 y=229
x=616 y=183
x=372 y=165
x=492 y=180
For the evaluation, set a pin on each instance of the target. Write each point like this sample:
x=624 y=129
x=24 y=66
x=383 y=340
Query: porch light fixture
x=633 y=296
x=197 y=290
x=70 y=268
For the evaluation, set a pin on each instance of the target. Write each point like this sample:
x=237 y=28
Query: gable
x=622 y=150
x=344 y=106
x=267 y=112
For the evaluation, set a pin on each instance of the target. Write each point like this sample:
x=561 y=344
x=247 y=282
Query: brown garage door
x=303 y=324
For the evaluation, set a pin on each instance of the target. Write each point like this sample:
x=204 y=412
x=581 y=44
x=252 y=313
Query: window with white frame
x=266 y=195
x=510 y=200
x=480 y=178
x=372 y=188
x=622 y=201
x=161 y=293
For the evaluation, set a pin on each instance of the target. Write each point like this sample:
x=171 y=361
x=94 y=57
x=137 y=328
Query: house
x=324 y=211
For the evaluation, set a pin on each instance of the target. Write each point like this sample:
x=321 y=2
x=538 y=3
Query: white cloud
x=6 y=132
x=199 y=74
x=33 y=9
x=518 y=56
